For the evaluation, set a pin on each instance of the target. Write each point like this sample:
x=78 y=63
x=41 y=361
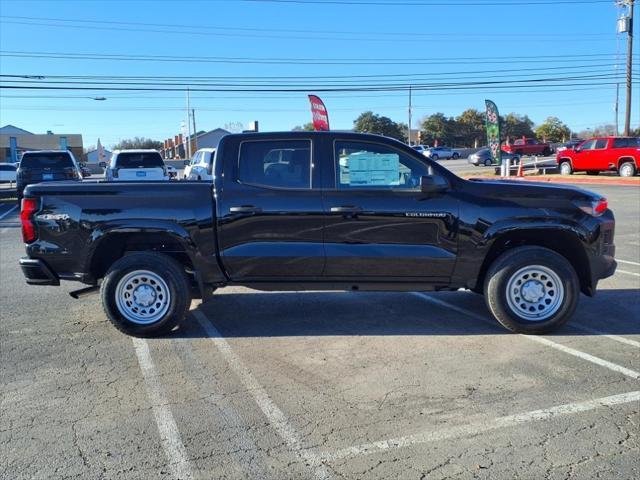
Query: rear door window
x=46 y=160
x=601 y=143
x=626 y=142
x=275 y=163
x=139 y=160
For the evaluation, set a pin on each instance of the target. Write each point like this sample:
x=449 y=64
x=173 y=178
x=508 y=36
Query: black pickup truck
x=319 y=211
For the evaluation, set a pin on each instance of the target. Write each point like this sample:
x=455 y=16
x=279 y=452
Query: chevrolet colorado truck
x=319 y=211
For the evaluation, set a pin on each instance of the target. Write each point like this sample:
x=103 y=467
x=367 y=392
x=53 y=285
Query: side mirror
x=102 y=164
x=186 y=163
x=433 y=184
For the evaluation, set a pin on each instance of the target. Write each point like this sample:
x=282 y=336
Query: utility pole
x=627 y=118
x=409 y=129
x=615 y=108
x=195 y=132
x=187 y=151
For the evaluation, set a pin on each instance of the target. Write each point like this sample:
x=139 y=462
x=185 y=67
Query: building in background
x=92 y=157
x=175 y=147
x=15 y=141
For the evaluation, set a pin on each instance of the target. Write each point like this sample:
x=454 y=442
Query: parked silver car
x=436 y=153
x=483 y=157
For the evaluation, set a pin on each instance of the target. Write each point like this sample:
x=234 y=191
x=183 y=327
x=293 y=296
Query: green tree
x=553 y=130
x=437 y=127
x=369 y=122
x=470 y=128
x=138 y=142
x=307 y=127
x=516 y=126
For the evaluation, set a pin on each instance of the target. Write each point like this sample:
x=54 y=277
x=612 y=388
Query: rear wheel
x=487 y=162
x=565 y=168
x=546 y=152
x=627 y=169
x=531 y=290
x=145 y=294
x=434 y=157
x=455 y=155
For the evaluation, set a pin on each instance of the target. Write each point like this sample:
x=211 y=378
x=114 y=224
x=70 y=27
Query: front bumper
x=37 y=272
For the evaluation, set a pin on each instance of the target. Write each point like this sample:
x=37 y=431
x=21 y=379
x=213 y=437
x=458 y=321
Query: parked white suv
x=135 y=166
x=201 y=165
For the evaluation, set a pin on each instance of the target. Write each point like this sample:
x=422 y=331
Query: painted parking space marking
x=4 y=214
x=545 y=341
x=617 y=338
x=472 y=429
x=627 y=272
x=627 y=262
x=169 y=434
x=271 y=411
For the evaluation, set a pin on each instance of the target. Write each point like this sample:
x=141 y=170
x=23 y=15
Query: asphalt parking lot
x=322 y=385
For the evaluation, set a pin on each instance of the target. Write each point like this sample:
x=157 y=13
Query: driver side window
x=375 y=166
x=588 y=145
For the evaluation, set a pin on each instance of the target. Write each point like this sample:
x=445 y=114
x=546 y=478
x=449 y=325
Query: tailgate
x=141 y=174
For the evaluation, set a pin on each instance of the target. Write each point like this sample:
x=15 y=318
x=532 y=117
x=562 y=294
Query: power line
x=306 y=61
x=283 y=30
x=416 y=3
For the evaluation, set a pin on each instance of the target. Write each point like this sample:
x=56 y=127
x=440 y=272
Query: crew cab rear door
x=270 y=209
x=380 y=226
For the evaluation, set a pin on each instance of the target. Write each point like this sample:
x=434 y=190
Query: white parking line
x=545 y=341
x=8 y=212
x=270 y=410
x=473 y=429
x=617 y=338
x=627 y=261
x=169 y=434
x=628 y=273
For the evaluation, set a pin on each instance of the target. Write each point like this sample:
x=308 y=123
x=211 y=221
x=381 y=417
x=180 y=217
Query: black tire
x=627 y=169
x=546 y=152
x=171 y=273
x=487 y=162
x=508 y=267
x=434 y=157
x=455 y=155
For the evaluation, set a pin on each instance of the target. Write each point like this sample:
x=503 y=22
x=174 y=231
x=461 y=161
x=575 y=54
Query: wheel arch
x=116 y=243
x=626 y=159
x=560 y=240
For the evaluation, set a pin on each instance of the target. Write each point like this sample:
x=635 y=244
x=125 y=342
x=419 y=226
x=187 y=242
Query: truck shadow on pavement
x=283 y=314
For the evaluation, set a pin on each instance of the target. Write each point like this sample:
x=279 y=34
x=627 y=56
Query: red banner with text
x=319 y=113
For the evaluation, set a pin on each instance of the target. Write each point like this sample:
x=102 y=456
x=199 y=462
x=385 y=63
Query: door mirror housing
x=433 y=184
x=186 y=163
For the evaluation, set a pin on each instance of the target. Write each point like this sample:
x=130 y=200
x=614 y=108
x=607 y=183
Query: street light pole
x=627 y=119
x=409 y=129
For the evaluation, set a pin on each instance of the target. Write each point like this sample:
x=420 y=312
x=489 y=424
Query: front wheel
x=565 y=168
x=531 y=290
x=455 y=155
x=487 y=162
x=145 y=294
x=434 y=157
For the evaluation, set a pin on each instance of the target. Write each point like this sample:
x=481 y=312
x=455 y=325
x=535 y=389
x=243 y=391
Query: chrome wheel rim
x=535 y=293
x=626 y=170
x=565 y=168
x=142 y=297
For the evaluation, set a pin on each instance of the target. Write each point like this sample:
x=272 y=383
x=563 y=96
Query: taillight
x=29 y=207
x=594 y=208
x=600 y=206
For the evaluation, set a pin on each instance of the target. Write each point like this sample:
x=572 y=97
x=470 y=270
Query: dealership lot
x=322 y=385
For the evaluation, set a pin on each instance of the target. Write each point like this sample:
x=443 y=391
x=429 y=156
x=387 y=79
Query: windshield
x=46 y=160
x=139 y=160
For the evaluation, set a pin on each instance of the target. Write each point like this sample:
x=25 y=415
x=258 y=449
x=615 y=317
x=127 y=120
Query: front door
x=583 y=155
x=380 y=225
x=270 y=213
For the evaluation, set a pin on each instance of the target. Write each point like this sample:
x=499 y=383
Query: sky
x=565 y=54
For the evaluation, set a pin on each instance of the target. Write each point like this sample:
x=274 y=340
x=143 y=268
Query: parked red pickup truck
x=528 y=146
x=621 y=154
